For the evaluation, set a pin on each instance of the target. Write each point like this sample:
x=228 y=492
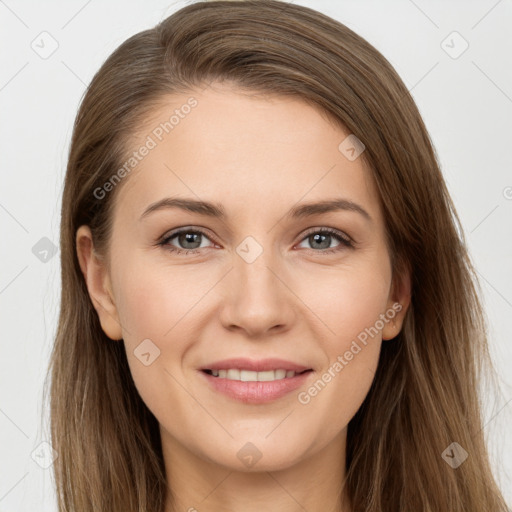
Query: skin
x=258 y=156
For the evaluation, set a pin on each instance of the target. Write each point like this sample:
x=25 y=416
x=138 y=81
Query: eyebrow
x=217 y=210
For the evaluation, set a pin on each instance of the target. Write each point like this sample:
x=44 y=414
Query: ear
x=98 y=283
x=399 y=301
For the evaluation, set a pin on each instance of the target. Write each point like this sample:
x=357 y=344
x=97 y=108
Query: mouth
x=254 y=376
x=255 y=381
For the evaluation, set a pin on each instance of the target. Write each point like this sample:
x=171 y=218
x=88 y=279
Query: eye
x=189 y=238
x=322 y=238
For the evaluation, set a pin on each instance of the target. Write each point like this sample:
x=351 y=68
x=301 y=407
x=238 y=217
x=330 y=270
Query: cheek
x=158 y=303
x=154 y=298
x=342 y=384
x=350 y=306
x=346 y=300
x=148 y=306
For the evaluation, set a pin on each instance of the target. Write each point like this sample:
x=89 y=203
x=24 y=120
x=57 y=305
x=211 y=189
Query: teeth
x=233 y=374
x=250 y=376
x=281 y=374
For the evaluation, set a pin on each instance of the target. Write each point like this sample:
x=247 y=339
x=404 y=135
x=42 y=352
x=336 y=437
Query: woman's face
x=264 y=280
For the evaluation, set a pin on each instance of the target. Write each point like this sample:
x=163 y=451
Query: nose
x=257 y=299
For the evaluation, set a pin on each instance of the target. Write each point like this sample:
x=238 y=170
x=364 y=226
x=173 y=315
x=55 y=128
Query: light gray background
x=466 y=103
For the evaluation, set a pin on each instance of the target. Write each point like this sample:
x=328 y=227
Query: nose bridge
x=257 y=300
x=253 y=262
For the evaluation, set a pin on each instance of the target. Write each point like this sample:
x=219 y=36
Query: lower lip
x=257 y=392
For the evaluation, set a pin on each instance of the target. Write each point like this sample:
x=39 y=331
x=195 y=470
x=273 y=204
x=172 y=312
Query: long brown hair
x=425 y=392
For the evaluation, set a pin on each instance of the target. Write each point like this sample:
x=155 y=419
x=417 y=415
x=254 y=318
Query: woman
x=257 y=370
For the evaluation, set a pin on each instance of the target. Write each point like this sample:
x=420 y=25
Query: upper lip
x=259 y=365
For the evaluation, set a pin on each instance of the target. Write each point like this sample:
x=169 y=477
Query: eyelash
x=345 y=241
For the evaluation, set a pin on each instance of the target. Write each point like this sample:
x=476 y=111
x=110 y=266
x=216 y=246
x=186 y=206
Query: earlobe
x=398 y=303
x=98 y=283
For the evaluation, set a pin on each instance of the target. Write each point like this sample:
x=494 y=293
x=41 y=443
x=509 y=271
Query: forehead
x=243 y=149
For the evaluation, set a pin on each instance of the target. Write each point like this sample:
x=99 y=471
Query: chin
x=252 y=457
